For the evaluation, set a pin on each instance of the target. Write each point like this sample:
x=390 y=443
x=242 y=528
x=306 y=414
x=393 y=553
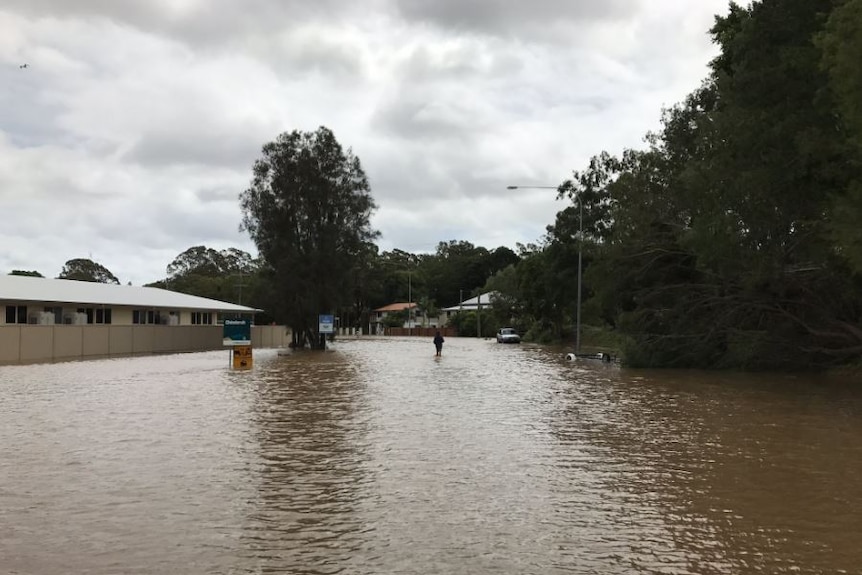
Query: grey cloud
x=205 y=23
x=219 y=194
x=164 y=105
x=466 y=60
x=513 y=17
x=327 y=55
x=417 y=119
x=220 y=149
x=25 y=120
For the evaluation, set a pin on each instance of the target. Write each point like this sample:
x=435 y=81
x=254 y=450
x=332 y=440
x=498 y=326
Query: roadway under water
x=377 y=457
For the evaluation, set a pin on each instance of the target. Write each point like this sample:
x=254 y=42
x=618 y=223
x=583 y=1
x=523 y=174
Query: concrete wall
x=45 y=343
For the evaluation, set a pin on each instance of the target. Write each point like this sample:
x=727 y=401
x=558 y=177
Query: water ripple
x=378 y=457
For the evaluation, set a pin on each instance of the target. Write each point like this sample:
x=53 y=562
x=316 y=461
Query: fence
x=45 y=343
x=421 y=331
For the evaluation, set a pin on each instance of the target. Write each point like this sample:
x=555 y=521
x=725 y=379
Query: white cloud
x=134 y=129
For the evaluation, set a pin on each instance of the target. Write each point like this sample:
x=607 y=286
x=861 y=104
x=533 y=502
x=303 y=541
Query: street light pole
x=479 y=316
x=580 y=256
x=409 y=305
x=580 y=267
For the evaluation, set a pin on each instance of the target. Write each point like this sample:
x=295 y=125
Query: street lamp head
x=511 y=187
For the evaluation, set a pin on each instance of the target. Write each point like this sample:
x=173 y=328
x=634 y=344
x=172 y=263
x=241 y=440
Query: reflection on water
x=378 y=457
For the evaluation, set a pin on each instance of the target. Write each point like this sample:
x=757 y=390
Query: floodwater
x=377 y=457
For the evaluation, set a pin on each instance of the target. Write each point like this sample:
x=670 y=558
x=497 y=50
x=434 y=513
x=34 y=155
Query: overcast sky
x=132 y=131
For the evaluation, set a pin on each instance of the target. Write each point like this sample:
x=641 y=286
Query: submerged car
x=508 y=335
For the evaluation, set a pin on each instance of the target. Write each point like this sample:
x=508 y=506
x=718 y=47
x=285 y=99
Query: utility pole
x=409 y=305
x=479 y=317
x=580 y=255
x=240 y=285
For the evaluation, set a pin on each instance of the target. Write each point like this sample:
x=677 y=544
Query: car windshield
x=507 y=331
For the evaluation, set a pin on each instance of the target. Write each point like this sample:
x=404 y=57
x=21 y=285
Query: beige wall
x=269 y=336
x=43 y=343
x=121 y=316
x=10 y=344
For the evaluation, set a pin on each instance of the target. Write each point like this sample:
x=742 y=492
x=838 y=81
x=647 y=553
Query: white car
x=508 y=335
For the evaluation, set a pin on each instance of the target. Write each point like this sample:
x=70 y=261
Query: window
x=16 y=314
x=58 y=314
x=89 y=311
x=202 y=318
x=103 y=315
x=140 y=316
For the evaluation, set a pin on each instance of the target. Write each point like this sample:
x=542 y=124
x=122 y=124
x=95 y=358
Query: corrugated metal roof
x=24 y=289
x=473 y=302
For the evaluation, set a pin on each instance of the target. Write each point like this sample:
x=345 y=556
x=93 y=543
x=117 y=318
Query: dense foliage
x=308 y=211
x=229 y=275
x=87 y=270
x=733 y=239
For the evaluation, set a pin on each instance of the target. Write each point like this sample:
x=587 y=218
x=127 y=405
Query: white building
x=43 y=301
x=45 y=319
x=480 y=302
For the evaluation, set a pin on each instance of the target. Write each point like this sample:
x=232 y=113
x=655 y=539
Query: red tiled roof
x=397 y=307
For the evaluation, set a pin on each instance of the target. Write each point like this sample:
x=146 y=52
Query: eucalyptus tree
x=87 y=270
x=231 y=275
x=308 y=210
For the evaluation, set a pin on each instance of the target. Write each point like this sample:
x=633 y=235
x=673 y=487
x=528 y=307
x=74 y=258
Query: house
x=378 y=315
x=43 y=301
x=415 y=318
x=45 y=319
x=478 y=303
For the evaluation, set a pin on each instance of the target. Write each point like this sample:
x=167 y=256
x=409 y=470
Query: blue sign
x=236 y=332
x=326 y=324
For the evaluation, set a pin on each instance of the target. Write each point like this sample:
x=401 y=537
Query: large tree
x=841 y=43
x=201 y=260
x=87 y=270
x=231 y=275
x=308 y=211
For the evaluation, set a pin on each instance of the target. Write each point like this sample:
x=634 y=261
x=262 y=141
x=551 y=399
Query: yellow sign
x=242 y=358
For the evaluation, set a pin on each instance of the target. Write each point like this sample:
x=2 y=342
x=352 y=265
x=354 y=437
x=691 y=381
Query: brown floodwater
x=377 y=457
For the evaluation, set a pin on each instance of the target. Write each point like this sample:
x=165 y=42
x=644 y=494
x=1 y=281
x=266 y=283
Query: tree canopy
x=87 y=270
x=230 y=275
x=729 y=241
x=308 y=210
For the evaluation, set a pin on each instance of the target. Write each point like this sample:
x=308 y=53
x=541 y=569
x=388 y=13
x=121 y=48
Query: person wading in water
x=438 y=343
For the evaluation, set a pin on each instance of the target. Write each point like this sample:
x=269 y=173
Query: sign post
x=236 y=334
x=325 y=326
